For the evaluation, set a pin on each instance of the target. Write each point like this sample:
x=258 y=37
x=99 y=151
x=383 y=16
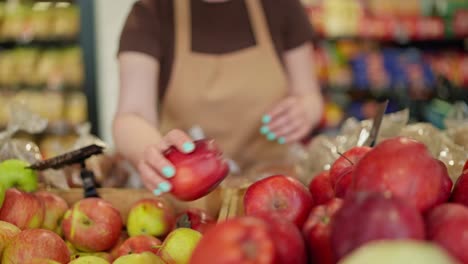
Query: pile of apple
x=393 y=203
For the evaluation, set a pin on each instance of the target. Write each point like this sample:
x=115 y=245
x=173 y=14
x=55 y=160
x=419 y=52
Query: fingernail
x=165 y=187
x=271 y=136
x=264 y=130
x=157 y=192
x=188 y=147
x=281 y=140
x=168 y=171
x=266 y=119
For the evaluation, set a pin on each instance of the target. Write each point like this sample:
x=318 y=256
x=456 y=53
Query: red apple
x=197 y=173
x=237 y=240
x=55 y=208
x=406 y=168
x=92 y=225
x=115 y=249
x=196 y=219
x=317 y=231
x=151 y=216
x=36 y=244
x=288 y=240
x=321 y=188
x=280 y=195
x=366 y=217
x=7 y=232
x=341 y=171
x=466 y=166
x=22 y=209
x=447 y=225
x=460 y=192
x=139 y=244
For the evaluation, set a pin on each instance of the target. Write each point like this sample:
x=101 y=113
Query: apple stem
x=346 y=158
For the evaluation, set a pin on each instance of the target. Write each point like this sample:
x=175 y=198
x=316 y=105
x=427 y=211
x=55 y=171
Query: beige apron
x=226 y=95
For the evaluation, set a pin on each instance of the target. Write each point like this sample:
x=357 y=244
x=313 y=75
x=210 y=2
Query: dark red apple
x=139 y=244
x=366 y=217
x=196 y=219
x=288 y=240
x=238 y=240
x=321 y=188
x=406 y=168
x=92 y=225
x=447 y=225
x=341 y=171
x=197 y=173
x=317 y=231
x=22 y=209
x=460 y=192
x=466 y=166
x=279 y=194
x=36 y=244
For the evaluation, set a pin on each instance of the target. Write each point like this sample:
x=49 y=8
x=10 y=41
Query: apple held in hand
x=36 y=244
x=14 y=173
x=92 y=225
x=447 y=225
x=55 y=208
x=238 y=240
x=7 y=233
x=139 y=244
x=178 y=246
x=197 y=173
x=140 y=258
x=341 y=171
x=196 y=219
x=321 y=188
x=405 y=168
x=151 y=216
x=280 y=195
x=399 y=251
x=366 y=217
x=22 y=209
x=317 y=231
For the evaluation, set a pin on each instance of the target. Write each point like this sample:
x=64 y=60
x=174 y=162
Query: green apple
x=13 y=173
x=399 y=251
x=103 y=255
x=89 y=260
x=7 y=232
x=2 y=193
x=152 y=217
x=179 y=245
x=141 y=258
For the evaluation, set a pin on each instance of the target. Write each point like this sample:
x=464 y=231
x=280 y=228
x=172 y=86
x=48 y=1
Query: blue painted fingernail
x=157 y=192
x=188 y=147
x=264 y=130
x=271 y=136
x=165 y=187
x=281 y=140
x=168 y=171
x=266 y=119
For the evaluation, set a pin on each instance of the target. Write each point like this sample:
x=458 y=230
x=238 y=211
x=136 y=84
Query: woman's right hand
x=155 y=169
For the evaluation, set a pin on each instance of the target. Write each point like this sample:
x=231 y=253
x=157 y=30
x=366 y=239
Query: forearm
x=132 y=135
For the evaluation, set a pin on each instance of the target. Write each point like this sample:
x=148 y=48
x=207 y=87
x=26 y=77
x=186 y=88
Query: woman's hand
x=155 y=169
x=292 y=119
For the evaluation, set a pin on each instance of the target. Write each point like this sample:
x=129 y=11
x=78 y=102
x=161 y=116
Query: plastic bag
x=21 y=119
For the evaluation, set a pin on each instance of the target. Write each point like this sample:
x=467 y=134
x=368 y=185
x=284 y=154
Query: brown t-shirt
x=217 y=28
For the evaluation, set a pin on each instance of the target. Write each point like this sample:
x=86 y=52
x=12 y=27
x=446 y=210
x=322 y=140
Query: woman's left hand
x=292 y=119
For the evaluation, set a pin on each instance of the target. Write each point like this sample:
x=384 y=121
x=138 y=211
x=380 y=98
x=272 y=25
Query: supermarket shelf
x=7 y=44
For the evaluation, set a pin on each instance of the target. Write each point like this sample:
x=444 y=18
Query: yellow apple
x=179 y=245
x=89 y=260
x=141 y=258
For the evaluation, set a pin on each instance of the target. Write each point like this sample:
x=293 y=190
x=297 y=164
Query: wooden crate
x=216 y=203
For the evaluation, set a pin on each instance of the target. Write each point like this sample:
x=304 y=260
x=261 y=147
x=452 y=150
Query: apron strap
x=183 y=25
x=259 y=23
